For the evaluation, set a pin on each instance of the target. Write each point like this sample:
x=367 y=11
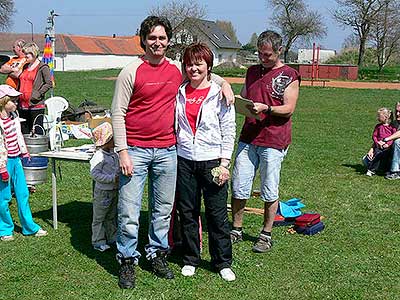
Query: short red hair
x=196 y=52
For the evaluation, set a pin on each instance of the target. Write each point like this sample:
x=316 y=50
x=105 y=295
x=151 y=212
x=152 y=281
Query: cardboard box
x=96 y=121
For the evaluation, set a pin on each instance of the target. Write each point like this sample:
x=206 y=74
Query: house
x=78 y=52
x=208 y=32
x=306 y=55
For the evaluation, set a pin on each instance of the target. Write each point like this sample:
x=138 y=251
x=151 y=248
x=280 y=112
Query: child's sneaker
x=7 y=238
x=188 y=271
x=227 y=274
x=101 y=247
x=236 y=236
x=370 y=173
x=41 y=232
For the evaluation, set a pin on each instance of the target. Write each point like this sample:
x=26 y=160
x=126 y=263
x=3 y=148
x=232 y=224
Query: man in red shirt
x=274 y=89
x=143 y=111
x=14 y=66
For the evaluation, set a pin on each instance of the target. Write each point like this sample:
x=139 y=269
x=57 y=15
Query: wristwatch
x=384 y=140
x=268 y=110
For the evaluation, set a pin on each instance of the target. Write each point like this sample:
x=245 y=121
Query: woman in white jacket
x=206 y=131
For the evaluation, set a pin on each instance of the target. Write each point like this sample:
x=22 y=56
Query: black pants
x=30 y=115
x=195 y=180
x=380 y=155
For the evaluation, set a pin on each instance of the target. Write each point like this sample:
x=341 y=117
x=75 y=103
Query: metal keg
x=35 y=169
x=36 y=143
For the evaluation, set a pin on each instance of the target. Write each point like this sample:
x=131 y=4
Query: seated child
x=104 y=169
x=380 y=149
x=12 y=146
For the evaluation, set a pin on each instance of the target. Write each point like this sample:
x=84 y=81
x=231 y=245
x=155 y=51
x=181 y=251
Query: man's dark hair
x=148 y=25
x=270 y=37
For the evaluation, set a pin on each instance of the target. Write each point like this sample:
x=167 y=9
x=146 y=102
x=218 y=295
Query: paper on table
x=243 y=106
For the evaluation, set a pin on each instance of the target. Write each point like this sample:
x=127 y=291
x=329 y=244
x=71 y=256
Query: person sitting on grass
x=104 y=169
x=14 y=174
x=380 y=149
x=395 y=165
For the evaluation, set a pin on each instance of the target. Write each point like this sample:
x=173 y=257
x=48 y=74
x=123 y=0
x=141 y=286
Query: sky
x=123 y=17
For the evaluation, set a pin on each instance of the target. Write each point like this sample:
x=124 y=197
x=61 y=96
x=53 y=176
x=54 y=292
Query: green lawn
x=355 y=257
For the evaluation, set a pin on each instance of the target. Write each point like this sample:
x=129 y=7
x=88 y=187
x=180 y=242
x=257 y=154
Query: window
x=227 y=37
x=216 y=36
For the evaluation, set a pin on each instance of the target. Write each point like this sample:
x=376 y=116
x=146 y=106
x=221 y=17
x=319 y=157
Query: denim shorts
x=248 y=159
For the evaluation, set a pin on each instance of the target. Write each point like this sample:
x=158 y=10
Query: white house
x=77 y=52
x=306 y=55
x=197 y=30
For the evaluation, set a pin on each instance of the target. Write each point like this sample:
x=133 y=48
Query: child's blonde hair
x=4 y=100
x=385 y=112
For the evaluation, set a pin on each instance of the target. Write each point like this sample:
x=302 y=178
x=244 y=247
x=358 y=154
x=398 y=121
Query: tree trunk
x=361 y=52
x=285 y=55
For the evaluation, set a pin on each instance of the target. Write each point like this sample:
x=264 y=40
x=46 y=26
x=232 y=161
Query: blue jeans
x=159 y=165
x=17 y=179
x=396 y=157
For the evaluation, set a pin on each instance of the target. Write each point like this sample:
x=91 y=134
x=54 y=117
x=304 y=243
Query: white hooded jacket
x=215 y=127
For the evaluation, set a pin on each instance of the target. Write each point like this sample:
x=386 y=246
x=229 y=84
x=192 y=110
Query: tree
x=227 y=26
x=359 y=15
x=385 y=32
x=178 y=10
x=6 y=12
x=252 y=44
x=296 y=21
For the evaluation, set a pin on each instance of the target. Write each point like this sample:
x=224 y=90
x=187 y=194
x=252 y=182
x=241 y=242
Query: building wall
x=78 y=62
x=305 y=55
x=220 y=55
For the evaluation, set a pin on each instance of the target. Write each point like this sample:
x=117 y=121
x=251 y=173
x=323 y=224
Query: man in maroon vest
x=274 y=89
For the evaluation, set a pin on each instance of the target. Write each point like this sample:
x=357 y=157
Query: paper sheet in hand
x=243 y=107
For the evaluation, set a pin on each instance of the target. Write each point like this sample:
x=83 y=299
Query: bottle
x=58 y=142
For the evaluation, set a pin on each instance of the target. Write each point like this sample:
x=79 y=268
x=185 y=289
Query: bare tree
x=227 y=26
x=6 y=12
x=178 y=10
x=296 y=21
x=385 y=32
x=359 y=15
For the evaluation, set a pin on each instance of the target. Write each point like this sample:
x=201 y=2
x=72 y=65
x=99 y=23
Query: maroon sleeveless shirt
x=270 y=131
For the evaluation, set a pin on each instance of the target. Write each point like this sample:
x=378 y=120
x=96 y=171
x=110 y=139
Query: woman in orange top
x=35 y=81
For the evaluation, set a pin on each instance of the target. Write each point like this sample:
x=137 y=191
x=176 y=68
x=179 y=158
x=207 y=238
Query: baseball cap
x=6 y=90
x=102 y=134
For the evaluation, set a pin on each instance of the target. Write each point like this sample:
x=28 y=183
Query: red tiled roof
x=68 y=44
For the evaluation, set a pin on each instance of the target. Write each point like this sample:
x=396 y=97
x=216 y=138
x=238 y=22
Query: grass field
x=355 y=257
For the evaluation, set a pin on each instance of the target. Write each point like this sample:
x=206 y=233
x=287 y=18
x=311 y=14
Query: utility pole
x=31 y=29
x=50 y=30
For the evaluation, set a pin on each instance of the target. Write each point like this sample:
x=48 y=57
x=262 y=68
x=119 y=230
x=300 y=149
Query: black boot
x=160 y=266
x=126 y=276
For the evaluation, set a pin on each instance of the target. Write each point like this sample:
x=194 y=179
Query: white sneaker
x=188 y=270
x=7 y=238
x=370 y=173
x=41 y=232
x=227 y=274
x=101 y=248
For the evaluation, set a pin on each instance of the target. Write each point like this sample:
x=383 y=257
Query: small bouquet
x=216 y=173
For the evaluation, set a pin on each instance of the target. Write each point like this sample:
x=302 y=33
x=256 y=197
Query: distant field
x=356 y=257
